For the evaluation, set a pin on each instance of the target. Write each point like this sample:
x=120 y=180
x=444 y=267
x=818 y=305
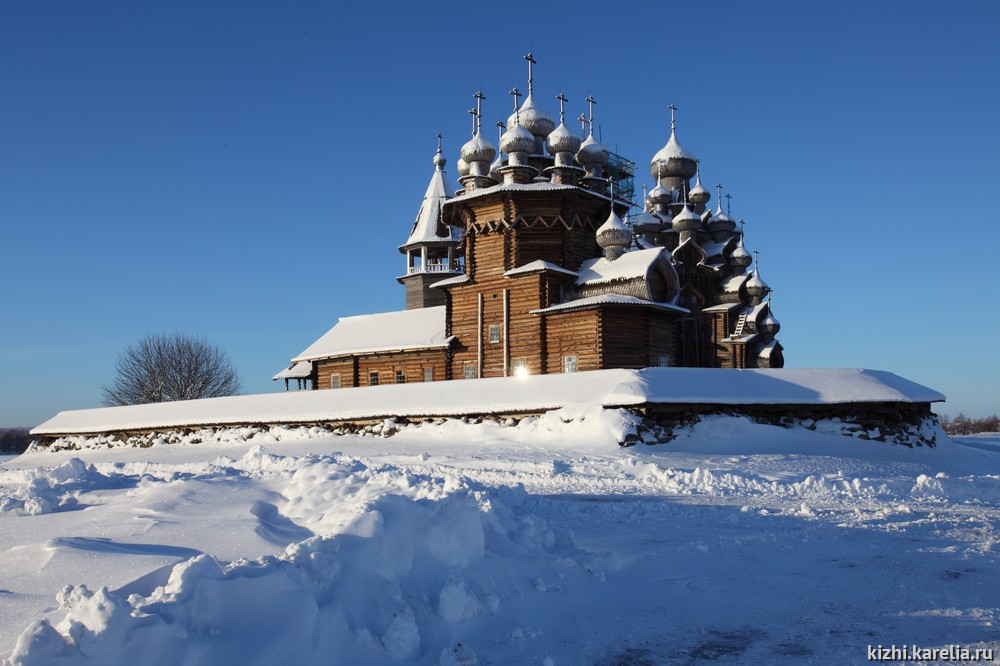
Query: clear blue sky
x=245 y=170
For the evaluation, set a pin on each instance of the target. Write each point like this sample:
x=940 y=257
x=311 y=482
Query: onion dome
x=592 y=151
x=517 y=140
x=536 y=121
x=720 y=220
x=769 y=324
x=439 y=158
x=659 y=195
x=497 y=163
x=614 y=236
x=698 y=194
x=686 y=220
x=739 y=256
x=673 y=159
x=478 y=149
x=462 y=166
x=756 y=287
x=562 y=140
x=646 y=223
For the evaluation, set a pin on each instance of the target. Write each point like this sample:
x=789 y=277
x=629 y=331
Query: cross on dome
x=531 y=82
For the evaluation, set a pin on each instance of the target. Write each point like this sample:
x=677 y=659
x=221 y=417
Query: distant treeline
x=963 y=425
x=14 y=440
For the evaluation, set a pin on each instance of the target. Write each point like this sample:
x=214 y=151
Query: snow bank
x=399 y=563
x=610 y=388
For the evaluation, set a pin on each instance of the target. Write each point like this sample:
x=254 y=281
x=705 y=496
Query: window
x=663 y=361
x=428 y=374
x=470 y=371
x=569 y=363
x=335 y=380
x=401 y=376
x=373 y=378
x=519 y=368
x=495 y=333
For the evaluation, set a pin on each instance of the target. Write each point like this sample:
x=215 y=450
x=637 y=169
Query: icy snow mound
x=57 y=489
x=401 y=563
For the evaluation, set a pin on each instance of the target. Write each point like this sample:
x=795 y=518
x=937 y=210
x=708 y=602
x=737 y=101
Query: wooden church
x=529 y=268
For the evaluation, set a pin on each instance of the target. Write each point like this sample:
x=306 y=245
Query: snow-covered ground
x=462 y=543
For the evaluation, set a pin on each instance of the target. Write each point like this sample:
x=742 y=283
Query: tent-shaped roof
x=428 y=228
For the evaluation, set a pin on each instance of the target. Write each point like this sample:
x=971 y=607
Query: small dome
x=720 y=220
x=614 y=232
x=592 y=151
x=497 y=163
x=562 y=140
x=646 y=223
x=463 y=167
x=698 y=194
x=756 y=287
x=533 y=119
x=686 y=220
x=517 y=140
x=659 y=195
x=439 y=159
x=673 y=160
x=769 y=324
x=478 y=149
x=739 y=256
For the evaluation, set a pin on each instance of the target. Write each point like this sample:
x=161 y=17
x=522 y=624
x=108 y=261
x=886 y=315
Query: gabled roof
x=422 y=328
x=631 y=265
x=538 y=266
x=425 y=228
x=299 y=370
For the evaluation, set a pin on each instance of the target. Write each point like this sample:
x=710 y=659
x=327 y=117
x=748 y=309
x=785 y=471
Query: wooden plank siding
x=354 y=370
x=637 y=337
x=573 y=334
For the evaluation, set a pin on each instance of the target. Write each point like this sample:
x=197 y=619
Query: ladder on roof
x=740 y=323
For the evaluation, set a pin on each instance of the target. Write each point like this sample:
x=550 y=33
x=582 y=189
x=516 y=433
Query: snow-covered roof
x=608 y=299
x=296 y=371
x=611 y=388
x=539 y=186
x=538 y=266
x=422 y=328
x=722 y=307
x=448 y=282
x=628 y=266
x=425 y=228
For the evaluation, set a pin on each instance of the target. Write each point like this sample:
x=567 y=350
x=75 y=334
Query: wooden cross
x=729 y=204
x=583 y=124
x=479 y=107
x=672 y=121
x=591 y=102
x=562 y=106
x=531 y=61
x=475 y=119
x=718 y=186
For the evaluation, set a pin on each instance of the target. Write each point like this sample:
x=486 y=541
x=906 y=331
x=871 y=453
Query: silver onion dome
x=517 y=140
x=659 y=195
x=686 y=220
x=614 y=236
x=673 y=160
x=769 y=324
x=462 y=167
x=698 y=194
x=756 y=287
x=592 y=151
x=646 y=223
x=532 y=118
x=562 y=140
x=478 y=149
x=720 y=220
x=739 y=256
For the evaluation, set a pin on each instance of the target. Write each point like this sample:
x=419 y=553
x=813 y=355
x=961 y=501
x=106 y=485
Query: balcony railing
x=435 y=267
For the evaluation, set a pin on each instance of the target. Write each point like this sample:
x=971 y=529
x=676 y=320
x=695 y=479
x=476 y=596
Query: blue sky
x=245 y=171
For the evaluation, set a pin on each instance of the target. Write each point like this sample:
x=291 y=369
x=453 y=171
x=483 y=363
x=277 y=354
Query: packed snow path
x=457 y=543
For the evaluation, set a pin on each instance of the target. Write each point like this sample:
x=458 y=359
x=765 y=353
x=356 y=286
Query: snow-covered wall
x=535 y=394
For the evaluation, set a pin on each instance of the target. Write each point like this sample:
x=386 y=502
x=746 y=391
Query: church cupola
x=739 y=258
x=533 y=119
x=614 y=236
x=769 y=324
x=720 y=221
x=673 y=162
x=592 y=156
x=477 y=152
x=698 y=195
x=686 y=222
x=562 y=144
x=756 y=288
x=431 y=248
x=519 y=144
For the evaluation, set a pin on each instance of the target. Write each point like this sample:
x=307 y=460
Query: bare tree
x=161 y=368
